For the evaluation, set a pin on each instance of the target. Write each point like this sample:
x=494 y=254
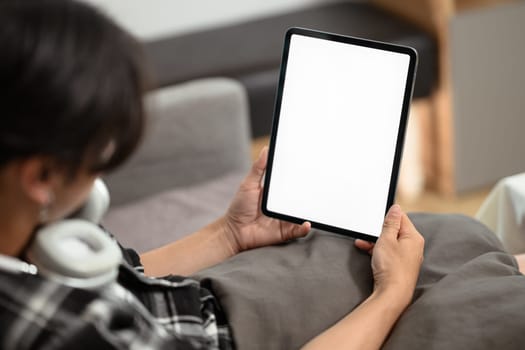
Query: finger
x=257 y=171
x=262 y=160
x=305 y=228
x=408 y=230
x=364 y=245
x=392 y=223
x=407 y=227
x=300 y=230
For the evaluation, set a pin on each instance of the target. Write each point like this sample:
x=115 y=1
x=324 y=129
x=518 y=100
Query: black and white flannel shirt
x=177 y=313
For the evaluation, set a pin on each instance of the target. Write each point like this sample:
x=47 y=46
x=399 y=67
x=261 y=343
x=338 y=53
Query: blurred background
x=467 y=117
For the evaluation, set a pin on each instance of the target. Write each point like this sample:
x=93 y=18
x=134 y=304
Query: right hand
x=396 y=257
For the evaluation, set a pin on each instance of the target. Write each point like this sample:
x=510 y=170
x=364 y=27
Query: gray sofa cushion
x=197 y=131
x=165 y=217
x=470 y=294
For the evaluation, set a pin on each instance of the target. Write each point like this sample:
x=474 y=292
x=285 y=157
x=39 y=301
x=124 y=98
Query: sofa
x=469 y=294
x=250 y=51
x=194 y=155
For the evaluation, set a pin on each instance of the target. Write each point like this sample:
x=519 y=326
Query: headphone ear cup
x=77 y=253
x=96 y=204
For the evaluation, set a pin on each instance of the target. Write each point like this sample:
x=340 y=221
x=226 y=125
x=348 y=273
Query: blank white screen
x=337 y=133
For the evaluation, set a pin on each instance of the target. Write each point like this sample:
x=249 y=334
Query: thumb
x=296 y=231
x=407 y=227
x=392 y=223
x=257 y=171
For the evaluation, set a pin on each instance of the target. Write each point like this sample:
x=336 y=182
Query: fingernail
x=395 y=210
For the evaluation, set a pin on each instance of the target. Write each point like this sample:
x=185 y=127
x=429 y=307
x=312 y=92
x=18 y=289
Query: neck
x=16 y=228
x=18 y=213
x=18 y=219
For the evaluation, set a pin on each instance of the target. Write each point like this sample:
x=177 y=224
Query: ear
x=37 y=179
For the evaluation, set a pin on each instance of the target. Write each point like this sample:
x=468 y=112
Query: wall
x=157 y=18
x=487 y=55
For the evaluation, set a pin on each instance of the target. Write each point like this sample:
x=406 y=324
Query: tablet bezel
x=401 y=129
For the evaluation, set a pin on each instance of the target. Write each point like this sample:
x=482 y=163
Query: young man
x=71 y=86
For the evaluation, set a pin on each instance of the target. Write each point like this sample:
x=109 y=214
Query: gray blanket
x=470 y=294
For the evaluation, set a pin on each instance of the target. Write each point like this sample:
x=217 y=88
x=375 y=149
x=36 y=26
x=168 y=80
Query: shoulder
x=34 y=310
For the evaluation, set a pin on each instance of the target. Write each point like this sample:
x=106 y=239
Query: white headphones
x=76 y=251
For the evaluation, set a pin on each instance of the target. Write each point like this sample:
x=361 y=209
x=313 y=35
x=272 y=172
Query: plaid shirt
x=169 y=313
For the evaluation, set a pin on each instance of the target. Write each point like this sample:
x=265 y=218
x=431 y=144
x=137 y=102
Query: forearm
x=364 y=328
x=520 y=258
x=195 y=252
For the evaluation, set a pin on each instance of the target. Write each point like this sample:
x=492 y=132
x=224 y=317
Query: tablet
x=338 y=129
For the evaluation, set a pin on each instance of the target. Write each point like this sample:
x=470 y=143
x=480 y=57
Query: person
x=71 y=86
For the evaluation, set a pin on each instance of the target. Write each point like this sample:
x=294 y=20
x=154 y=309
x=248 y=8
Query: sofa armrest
x=197 y=131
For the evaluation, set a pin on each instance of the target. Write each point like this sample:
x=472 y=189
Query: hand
x=396 y=257
x=246 y=226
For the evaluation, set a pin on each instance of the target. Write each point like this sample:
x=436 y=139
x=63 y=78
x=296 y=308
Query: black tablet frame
x=401 y=131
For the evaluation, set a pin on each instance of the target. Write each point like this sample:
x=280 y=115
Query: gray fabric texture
x=197 y=131
x=470 y=294
x=165 y=217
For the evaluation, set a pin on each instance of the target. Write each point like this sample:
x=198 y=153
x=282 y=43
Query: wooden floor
x=467 y=204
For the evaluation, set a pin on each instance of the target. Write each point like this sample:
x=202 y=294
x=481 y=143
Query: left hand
x=396 y=257
x=246 y=226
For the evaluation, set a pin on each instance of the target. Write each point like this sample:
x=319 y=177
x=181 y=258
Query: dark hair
x=71 y=85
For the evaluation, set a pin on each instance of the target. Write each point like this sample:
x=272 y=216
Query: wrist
x=230 y=236
x=395 y=300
